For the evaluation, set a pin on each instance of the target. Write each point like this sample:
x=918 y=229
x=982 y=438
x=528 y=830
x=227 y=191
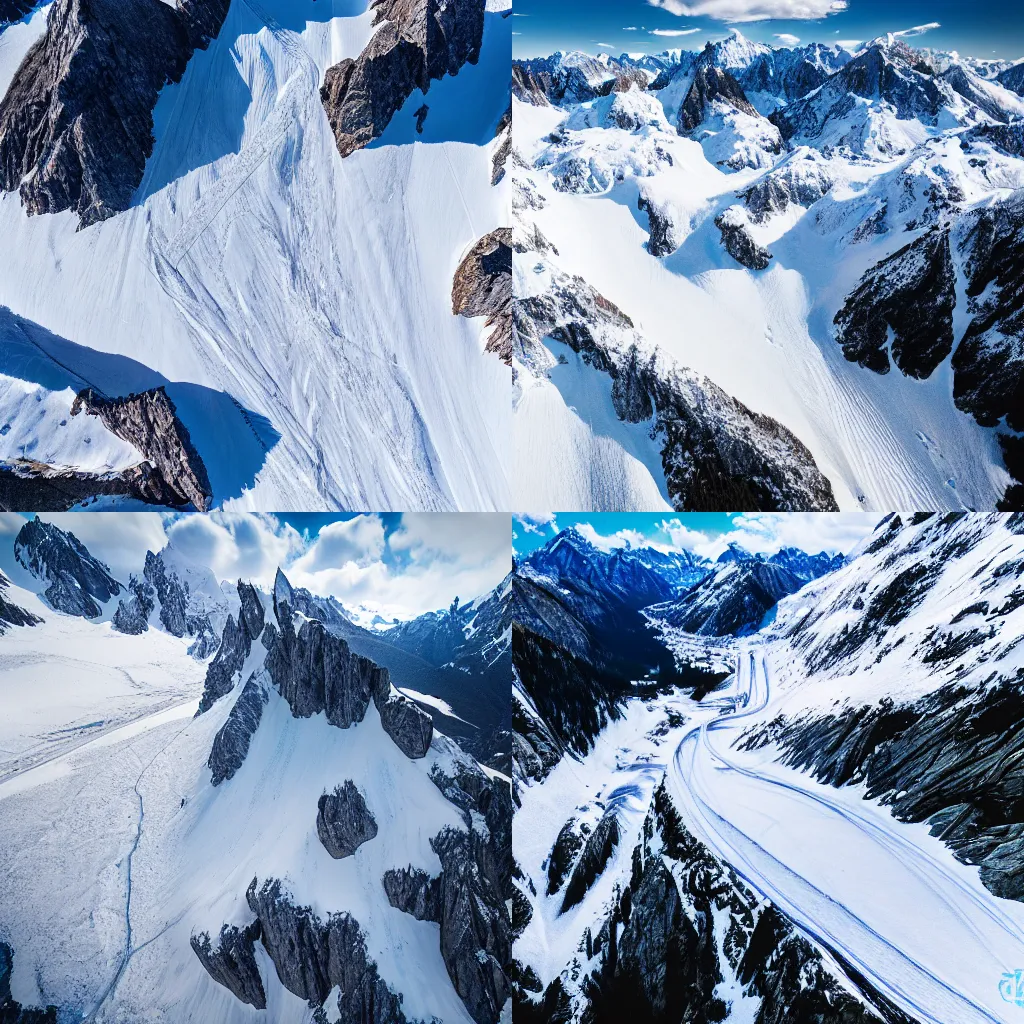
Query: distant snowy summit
x=852 y=191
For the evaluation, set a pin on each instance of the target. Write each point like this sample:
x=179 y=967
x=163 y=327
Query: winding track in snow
x=913 y=974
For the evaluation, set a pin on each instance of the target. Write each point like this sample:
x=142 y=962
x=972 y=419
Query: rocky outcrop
x=416 y=42
x=149 y=421
x=76 y=124
x=231 y=744
x=10 y=613
x=11 y=1011
x=799 y=182
x=715 y=452
x=414 y=892
x=312 y=956
x=911 y=293
x=711 y=84
x=664 y=233
x=251 y=615
x=597 y=851
x=235 y=646
x=232 y=962
x=476 y=941
x=504 y=147
x=482 y=286
x=133 y=611
x=343 y=821
x=739 y=244
x=407 y=724
x=79 y=583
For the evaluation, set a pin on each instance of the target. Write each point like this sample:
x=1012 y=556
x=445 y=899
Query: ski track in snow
x=954 y=926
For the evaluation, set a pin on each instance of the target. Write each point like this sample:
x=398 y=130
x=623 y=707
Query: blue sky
x=983 y=28
x=394 y=565
x=706 y=533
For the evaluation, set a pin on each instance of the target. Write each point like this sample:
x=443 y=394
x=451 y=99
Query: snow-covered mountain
x=767 y=278
x=301 y=303
x=305 y=847
x=830 y=835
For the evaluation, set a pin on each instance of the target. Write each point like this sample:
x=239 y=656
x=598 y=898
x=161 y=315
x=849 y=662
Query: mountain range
x=825 y=830
x=811 y=211
x=216 y=807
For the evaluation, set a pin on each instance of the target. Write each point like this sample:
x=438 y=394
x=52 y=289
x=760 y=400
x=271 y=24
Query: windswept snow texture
x=310 y=292
x=732 y=203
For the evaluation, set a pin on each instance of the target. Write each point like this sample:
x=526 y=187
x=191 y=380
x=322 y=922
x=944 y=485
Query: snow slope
x=298 y=304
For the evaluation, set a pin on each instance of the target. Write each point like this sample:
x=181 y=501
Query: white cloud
x=118 y=539
x=917 y=30
x=849 y=44
x=629 y=28
x=787 y=39
x=359 y=540
x=237 y=545
x=753 y=10
x=625 y=538
x=608 y=45
x=682 y=536
x=442 y=556
x=767 y=532
x=536 y=522
x=10 y=524
x=674 y=31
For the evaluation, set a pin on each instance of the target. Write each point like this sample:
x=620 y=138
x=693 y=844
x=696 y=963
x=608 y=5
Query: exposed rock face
x=482 y=286
x=912 y=293
x=232 y=962
x=711 y=83
x=715 y=452
x=76 y=124
x=150 y=422
x=476 y=940
x=11 y=1011
x=407 y=724
x=77 y=580
x=661 y=953
x=951 y=759
x=738 y=243
x=664 y=238
x=597 y=851
x=413 y=891
x=251 y=616
x=343 y=821
x=132 y=613
x=501 y=154
x=797 y=183
x=10 y=613
x=314 y=956
x=234 y=647
x=418 y=41
x=571 y=78
x=231 y=744
x=316 y=671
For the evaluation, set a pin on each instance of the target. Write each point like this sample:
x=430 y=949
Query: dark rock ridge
x=10 y=613
x=414 y=892
x=482 y=286
x=133 y=611
x=572 y=78
x=30 y=486
x=732 y=601
x=596 y=852
x=235 y=646
x=313 y=956
x=231 y=744
x=407 y=724
x=76 y=124
x=663 y=240
x=150 y=422
x=11 y=1011
x=912 y=293
x=1013 y=78
x=952 y=759
x=661 y=953
x=715 y=452
x=417 y=42
x=476 y=940
x=343 y=821
x=710 y=84
x=504 y=148
x=800 y=182
x=77 y=580
x=232 y=962
x=739 y=245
